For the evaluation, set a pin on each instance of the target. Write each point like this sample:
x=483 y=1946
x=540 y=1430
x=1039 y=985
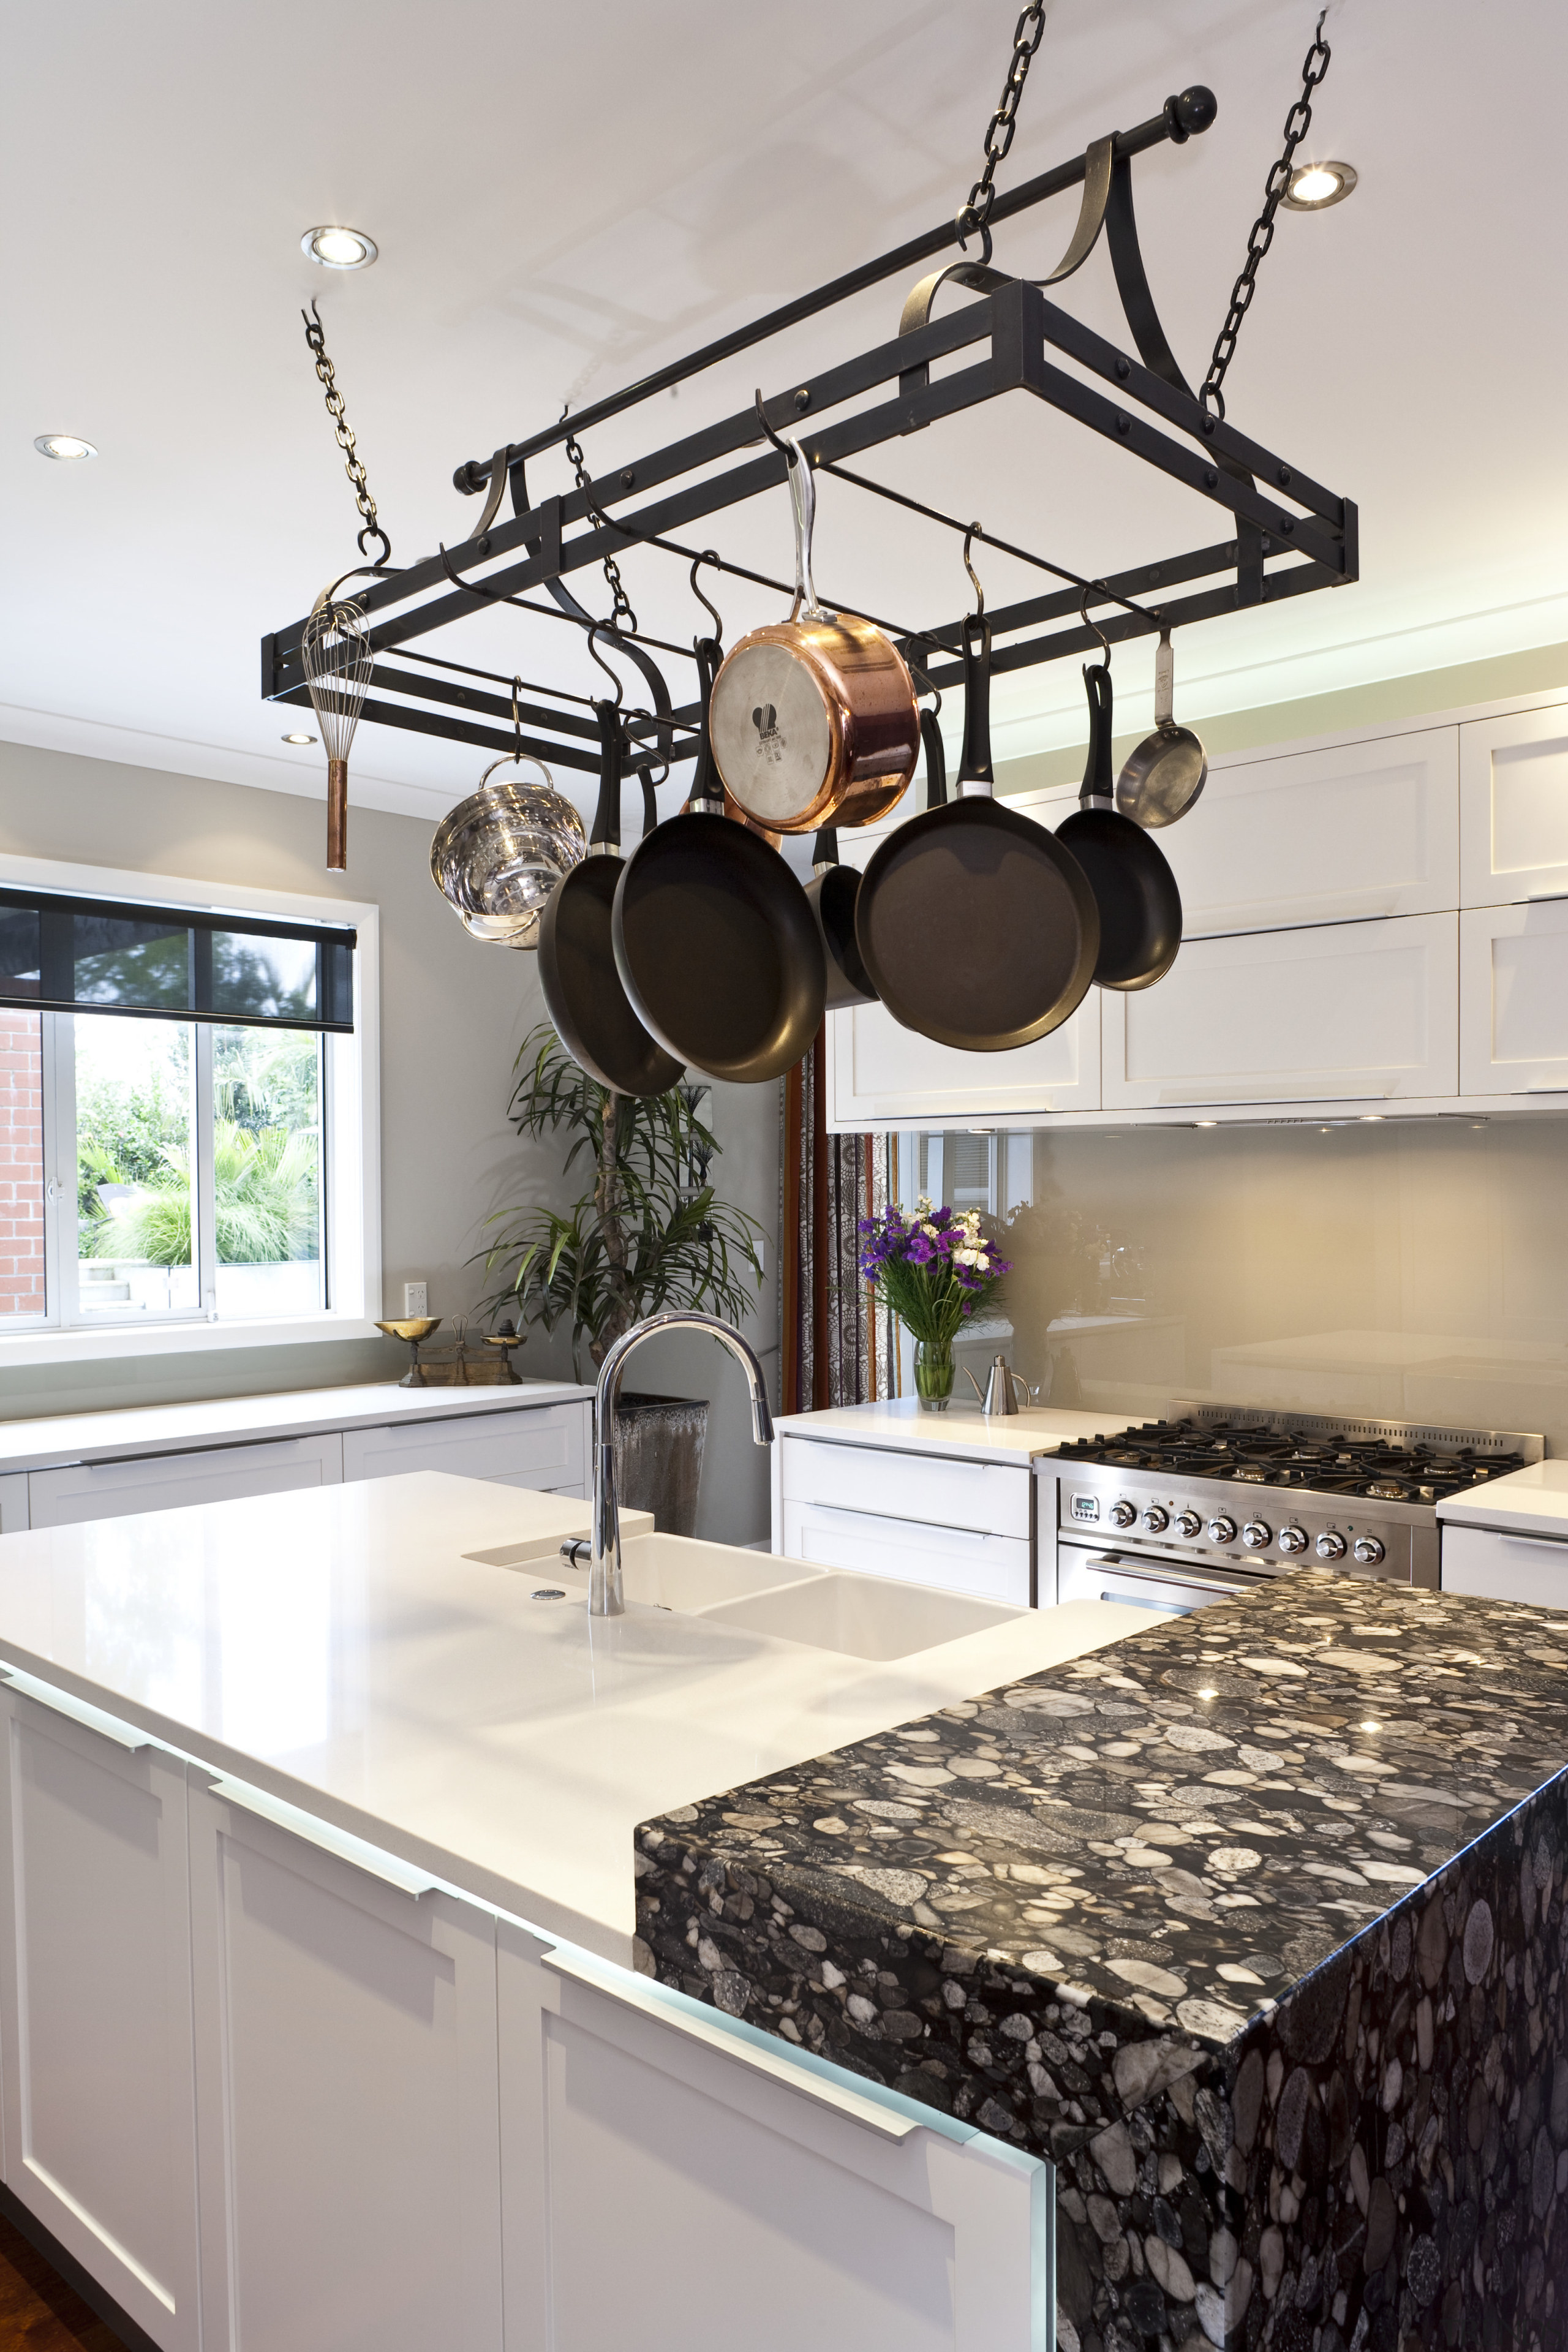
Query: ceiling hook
x=926 y=686
x=975 y=577
x=1089 y=587
x=790 y=449
x=594 y=628
x=708 y=555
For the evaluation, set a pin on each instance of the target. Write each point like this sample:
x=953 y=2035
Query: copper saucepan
x=814 y=718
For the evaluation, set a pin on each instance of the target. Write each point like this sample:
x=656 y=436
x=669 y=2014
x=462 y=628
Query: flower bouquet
x=933 y=1270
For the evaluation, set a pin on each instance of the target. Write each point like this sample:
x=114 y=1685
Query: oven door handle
x=1153 y=1572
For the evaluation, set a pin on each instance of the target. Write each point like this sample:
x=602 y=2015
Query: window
x=185 y=1131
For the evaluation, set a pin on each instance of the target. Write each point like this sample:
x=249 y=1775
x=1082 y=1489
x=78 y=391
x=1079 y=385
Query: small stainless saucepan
x=1164 y=775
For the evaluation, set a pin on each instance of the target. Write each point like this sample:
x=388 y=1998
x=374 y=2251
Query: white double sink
x=788 y=1599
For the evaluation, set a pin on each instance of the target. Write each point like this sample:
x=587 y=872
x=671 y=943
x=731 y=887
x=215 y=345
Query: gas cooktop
x=1317 y=1456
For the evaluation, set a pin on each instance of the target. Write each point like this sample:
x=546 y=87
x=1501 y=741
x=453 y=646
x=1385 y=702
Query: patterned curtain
x=838 y=1349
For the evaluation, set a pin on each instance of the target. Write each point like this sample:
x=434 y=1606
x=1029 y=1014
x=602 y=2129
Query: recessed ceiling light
x=1313 y=187
x=1371 y=1118
x=63 y=444
x=339 y=248
x=1206 y=1122
x=299 y=739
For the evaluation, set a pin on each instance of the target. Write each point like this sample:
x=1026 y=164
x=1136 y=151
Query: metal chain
x=315 y=336
x=976 y=210
x=621 y=613
x=1297 y=123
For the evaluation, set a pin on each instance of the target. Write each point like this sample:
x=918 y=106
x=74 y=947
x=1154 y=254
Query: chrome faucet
x=607 y=1597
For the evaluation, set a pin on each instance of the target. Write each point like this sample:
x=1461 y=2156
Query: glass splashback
x=1415 y=1271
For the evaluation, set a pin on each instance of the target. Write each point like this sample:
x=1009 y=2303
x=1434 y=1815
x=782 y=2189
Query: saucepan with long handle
x=1162 y=778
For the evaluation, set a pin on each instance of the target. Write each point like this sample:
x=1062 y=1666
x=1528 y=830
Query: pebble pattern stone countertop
x=1283 y=1995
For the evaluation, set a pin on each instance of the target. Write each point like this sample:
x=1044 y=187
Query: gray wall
x=453 y=1013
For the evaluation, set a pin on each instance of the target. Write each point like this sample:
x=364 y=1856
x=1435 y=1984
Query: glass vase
x=933 y=1374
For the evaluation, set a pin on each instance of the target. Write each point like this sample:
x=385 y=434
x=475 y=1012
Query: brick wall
x=21 y=1163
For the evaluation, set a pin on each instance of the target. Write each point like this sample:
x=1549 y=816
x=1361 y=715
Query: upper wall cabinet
x=1513 y=1000
x=1513 y=791
x=879 y=1073
x=1359 y=830
x=1341 y=1012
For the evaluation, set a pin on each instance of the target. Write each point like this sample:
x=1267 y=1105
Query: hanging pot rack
x=1286 y=533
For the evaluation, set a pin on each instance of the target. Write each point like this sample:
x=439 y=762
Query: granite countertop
x=1183 y=1825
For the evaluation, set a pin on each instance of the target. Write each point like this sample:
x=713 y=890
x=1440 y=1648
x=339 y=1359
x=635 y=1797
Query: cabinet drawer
x=1513 y=807
x=989 y=1567
x=1336 y=1013
x=544 y=1447
x=879 y=1072
x=989 y=1497
x=162 y=1482
x=1513 y=1000
x=1531 y=1568
x=1349 y=833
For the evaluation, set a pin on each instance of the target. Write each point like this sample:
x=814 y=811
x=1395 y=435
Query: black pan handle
x=707 y=792
x=1097 y=785
x=650 y=801
x=974 y=768
x=824 y=849
x=606 y=832
x=936 y=761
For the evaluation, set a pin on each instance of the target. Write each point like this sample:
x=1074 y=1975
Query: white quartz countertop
x=335 y=1649
x=48 y=1444
x=962 y=1430
x=1534 y=1501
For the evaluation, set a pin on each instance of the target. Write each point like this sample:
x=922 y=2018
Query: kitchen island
x=1255 y=1922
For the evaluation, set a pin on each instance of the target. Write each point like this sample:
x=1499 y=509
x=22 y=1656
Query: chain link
x=621 y=613
x=315 y=336
x=1297 y=123
x=975 y=212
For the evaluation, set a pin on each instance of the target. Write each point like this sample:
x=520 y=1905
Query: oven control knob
x=1367 y=1550
x=1123 y=1515
x=1292 y=1540
x=1255 y=1534
x=1331 y=1546
x=1189 y=1525
x=1156 y=1520
x=1222 y=1530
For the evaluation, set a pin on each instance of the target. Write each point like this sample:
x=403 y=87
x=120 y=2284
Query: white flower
x=981 y=1260
x=963 y=1258
x=931 y=1229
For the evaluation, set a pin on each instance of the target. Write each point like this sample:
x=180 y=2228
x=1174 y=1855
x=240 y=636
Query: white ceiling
x=565 y=197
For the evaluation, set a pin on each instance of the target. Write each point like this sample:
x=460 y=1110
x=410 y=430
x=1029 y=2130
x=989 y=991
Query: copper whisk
x=336 y=654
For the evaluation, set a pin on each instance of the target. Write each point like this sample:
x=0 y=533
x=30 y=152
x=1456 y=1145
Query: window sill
x=83 y=1345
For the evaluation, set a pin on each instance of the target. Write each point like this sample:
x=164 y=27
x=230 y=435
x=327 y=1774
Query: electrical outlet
x=415 y=1298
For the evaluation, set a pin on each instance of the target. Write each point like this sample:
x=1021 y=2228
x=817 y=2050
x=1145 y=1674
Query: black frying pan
x=975 y=924
x=716 y=945
x=1135 y=889
x=583 y=988
x=831 y=894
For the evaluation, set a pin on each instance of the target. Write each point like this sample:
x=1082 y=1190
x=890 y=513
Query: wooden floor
x=38 y=2310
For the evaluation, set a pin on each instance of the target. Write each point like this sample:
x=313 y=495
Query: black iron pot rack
x=1287 y=535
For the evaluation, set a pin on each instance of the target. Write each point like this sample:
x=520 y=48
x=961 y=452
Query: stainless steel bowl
x=497 y=857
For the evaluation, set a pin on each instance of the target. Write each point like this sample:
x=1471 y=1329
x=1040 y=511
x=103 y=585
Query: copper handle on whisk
x=337 y=815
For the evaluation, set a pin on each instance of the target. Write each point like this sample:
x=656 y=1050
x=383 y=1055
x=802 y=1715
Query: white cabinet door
x=1351 y=832
x=346 y=2111
x=1529 y=1568
x=880 y=1074
x=95 y=2002
x=672 y=2181
x=161 y=1481
x=1514 y=798
x=1513 y=999
x=1348 y=1013
x=546 y=1446
x=14 y=1502
x=992 y=1496
x=989 y=1567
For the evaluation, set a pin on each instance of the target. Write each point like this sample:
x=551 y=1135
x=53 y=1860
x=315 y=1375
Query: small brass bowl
x=413 y=1328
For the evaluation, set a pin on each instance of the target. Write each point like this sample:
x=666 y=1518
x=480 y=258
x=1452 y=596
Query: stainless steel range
x=1174 y=1514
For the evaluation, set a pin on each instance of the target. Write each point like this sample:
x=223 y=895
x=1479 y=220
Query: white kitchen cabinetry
x=928 y=1519
x=879 y=1073
x=12 y=1502
x=1347 y=1013
x=1513 y=999
x=545 y=1448
x=161 y=1481
x=95 y=2006
x=1498 y=1566
x=669 y=2180
x=990 y=1568
x=1344 y=833
x=346 y=2097
x=1513 y=799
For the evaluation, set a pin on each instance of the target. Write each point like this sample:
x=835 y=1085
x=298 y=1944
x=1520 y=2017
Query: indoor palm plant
x=933 y=1269
x=648 y=1233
